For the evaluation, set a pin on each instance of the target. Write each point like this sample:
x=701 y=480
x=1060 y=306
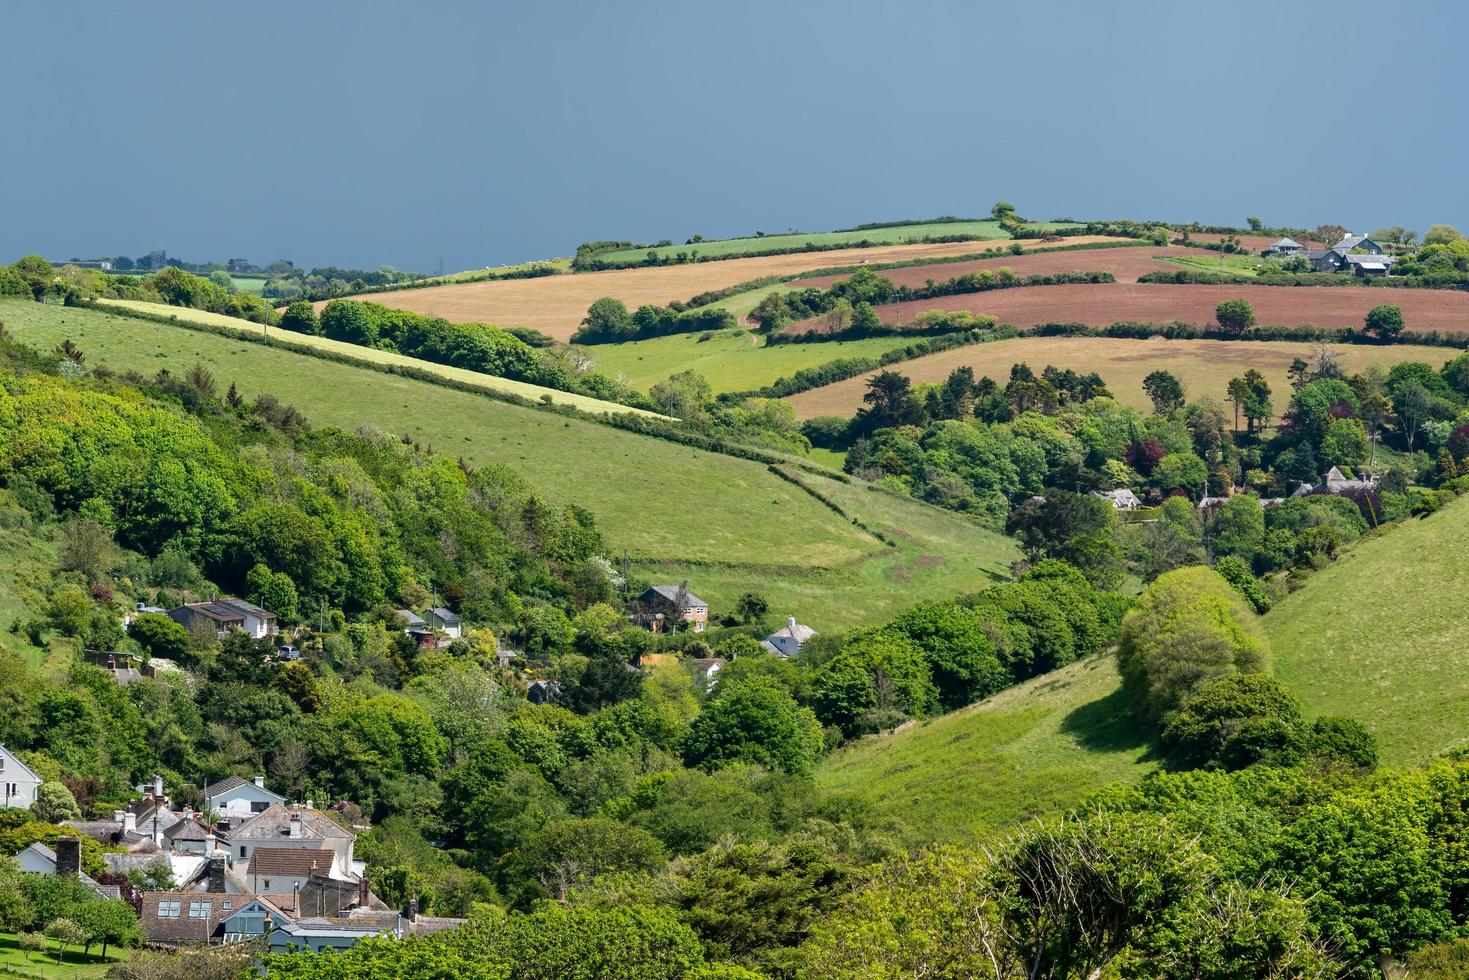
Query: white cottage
x=18 y=782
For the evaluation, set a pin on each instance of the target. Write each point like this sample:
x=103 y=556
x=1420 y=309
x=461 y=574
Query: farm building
x=660 y=603
x=1356 y=254
x=225 y=615
x=1286 y=247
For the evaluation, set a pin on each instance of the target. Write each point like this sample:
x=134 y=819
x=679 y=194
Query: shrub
x=1234 y=722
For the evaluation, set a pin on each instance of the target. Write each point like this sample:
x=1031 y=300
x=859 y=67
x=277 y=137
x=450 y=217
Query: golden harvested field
x=555 y=305
x=1204 y=366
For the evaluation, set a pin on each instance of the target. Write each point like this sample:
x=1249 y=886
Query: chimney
x=791 y=624
x=293 y=827
x=310 y=805
x=260 y=782
x=210 y=844
x=129 y=822
x=216 y=876
x=117 y=815
x=362 y=892
x=410 y=910
x=158 y=786
x=68 y=857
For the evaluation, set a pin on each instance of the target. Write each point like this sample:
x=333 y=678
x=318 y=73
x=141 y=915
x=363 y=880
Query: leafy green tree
x=160 y=636
x=67 y=933
x=54 y=803
x=571 y=853
x=607 y=321
x=1164 y=390
x=1235 y=315
x=686 y=395
x=1345 y=443
x=842 y=692
x=1181 y=471
x=273 y=590
x=1441 y=235
x=1238 y=528
x=752 y=607
x=301 y=317
x=756 y=721
x=961 y=655
x=1237 y=573
x=69 y=610
x=1385 y=322
x=110 y=922
x=1190 y=626
x=348 y=320
x=1234 y=722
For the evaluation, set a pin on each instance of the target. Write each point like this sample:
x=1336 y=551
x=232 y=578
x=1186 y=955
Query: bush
x=1234 y=722
x=1188 y=628
x=1342 y=740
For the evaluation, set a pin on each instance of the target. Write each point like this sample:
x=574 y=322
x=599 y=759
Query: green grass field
x=727 y=247
x=1245 y=266
x=732 y=360
x=371 y=355
x=74 y=964
x=249 y=284
x=661 y=502
x=1029 y=751
x=1382 y=636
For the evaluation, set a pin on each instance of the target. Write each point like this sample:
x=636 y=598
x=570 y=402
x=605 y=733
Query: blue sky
x=365 y=133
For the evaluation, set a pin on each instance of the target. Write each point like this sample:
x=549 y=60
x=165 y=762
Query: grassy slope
x=1032 y=750
x=657 y=500
x=879 y=236
x=1383 y=636
x=732 y=360
x=370 y=355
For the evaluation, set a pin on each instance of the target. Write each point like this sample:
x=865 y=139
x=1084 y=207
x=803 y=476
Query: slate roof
x=800 y=632
x=444 y=615
x=103 y=891
x=1286 y=243
x=670 y=592
x=235 y=782
x=187 y=829
x=411 y=618
x=272 y=822
x=248 y=608
x=290 y=862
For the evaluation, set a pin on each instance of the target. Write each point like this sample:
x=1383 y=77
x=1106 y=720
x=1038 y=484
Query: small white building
x=788 y=640
x=235 y=796
x=445 y=621
x=18 y=782
x=1121 y=499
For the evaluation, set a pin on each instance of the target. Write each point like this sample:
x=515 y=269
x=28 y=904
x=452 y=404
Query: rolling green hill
x=724 y=522
x=1381 y=636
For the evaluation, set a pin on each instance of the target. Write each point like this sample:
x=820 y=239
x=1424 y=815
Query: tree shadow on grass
x=1109 y=724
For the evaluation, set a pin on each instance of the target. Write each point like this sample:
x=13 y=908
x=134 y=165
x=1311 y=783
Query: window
x=198 y=910
x=227 y=904
x=242 y=850
x=168 y=910
x=267 y=884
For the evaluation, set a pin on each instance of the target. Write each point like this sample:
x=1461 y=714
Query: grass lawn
x=249 y=284
x=877 y=236
x=1228 y=263
x=74 y=964
x=1033 y=750
x=660 y=501
x=370 y=355
x=732 y=360
x=1382 y=636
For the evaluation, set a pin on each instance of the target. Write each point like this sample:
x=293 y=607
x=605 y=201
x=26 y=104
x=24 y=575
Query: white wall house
x=788 y=640
x=18 y=783
x=234 y=797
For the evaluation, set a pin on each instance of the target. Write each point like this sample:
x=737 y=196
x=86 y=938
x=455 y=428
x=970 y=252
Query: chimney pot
x=791 y=623
x=129 y=822
x=260 y=782
x=216 y=876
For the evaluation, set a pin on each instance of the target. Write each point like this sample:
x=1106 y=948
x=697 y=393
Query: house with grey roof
x=788 y=640
x=1284 y=247
x=18 y=781
x=445 y=621
x=65 y=859
x=236 y=796
x=279 y=826
x=1121 y=499
x=660 y=605
x=1356 y=254
x=224 y=615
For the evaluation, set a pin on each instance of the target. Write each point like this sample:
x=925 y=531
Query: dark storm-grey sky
x=371 y=132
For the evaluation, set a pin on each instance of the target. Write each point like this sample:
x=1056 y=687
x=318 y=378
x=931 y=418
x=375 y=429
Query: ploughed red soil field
x=1098 y=305
x=1124 y=263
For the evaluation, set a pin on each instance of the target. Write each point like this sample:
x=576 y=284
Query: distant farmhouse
x=1356 y=254
x=1121 y=499
x=661 y=603
x=1285 y=247
x=788 y=640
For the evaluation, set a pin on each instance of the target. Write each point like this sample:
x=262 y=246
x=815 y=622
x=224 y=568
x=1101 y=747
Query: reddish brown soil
x=1127 y=264
x=1102 y=304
